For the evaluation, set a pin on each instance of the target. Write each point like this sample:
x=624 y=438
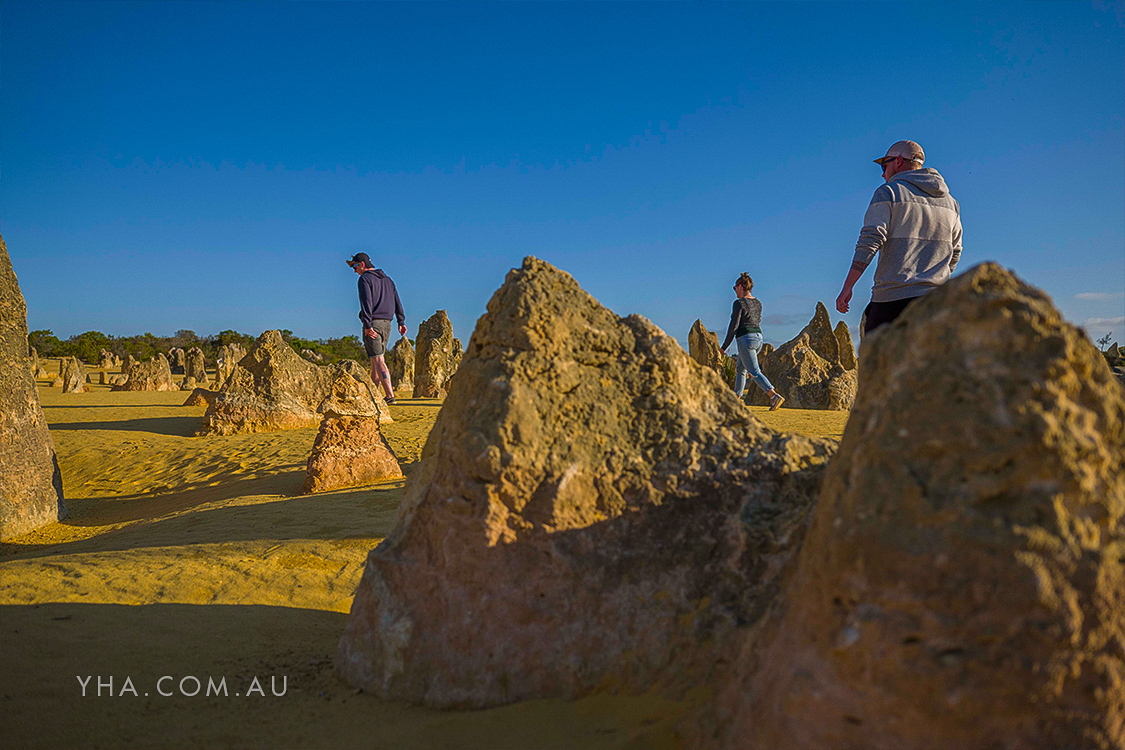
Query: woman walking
x=746 y=329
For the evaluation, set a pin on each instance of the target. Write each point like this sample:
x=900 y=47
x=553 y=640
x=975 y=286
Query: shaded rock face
x=591 y=508
x=188 y=384
x=107 y=360
x=151 y=375
x=195 y=366
x=273 y=388
x=129 y=363
x=962 y=577
x=809 y=370
x=400 y=363
x=436 y=358
x=847 y=350
x=177 y=360
x=73 y=375
x=31 y=490
x=703 y=346
x=349 y=449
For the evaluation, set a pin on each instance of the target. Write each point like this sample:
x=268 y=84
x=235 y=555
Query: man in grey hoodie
x=378 y=303
x=914 y=225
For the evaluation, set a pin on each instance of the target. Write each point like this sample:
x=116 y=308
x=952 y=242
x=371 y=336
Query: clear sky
x=208 y=166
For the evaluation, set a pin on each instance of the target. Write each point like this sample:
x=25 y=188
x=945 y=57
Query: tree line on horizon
x=88 y=346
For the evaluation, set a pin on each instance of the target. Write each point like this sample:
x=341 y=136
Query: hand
x=369 y=333
x=402 y=330
x=843 y=300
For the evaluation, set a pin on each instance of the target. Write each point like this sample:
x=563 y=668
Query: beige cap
x=907 y=150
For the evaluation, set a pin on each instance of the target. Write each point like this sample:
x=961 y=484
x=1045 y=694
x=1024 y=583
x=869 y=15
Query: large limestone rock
x=151 y=375
x=809 y=370
x=127 y=366
x=349 y=449
x=33 y=363
x=961 y=584
x=31 y=490
x=400 y=363
x=703 y=346
x=847 y=350
x=273 y=388
x=177 y=360
x=229 y=356
x=107 y=361
x=73 y=375
x=195 y=366
x=591 y=509
x=200 y=397
x=436 y=358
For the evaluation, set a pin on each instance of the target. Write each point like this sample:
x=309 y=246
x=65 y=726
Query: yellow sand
x=162 y=523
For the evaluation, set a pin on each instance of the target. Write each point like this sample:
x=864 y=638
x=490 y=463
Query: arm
x=735 y=318
x=399 y=313
x=956 y=257
x=366 y=308
x=871 y=239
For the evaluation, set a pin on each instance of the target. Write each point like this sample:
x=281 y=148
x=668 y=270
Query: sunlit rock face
x=437 y=357
x=591 y=509
x=30 y=483
x=273 y=388
x=961 y=582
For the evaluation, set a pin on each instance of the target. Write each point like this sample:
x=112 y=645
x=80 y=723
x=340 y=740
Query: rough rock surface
x=151 y=375
x=73 y=375
x=962 y=577
x=591 y=509
x=188 y=384
x=808 y=370
x=228 y=357
x=177 y=360
x=33 y=363
x=57 y=382
x=200 y=397
x=106 y=360
x=400 y=362
x=127 y=366
x=349 y=449
x=436 y=358
x=273 y=388
x=195 y=366
x=847 y=350
x=703 y=346
x=31 y=490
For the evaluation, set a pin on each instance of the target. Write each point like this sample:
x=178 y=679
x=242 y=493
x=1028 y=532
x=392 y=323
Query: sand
x=190 y=558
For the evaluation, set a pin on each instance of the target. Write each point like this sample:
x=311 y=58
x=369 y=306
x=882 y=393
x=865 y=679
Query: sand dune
x=162 y=522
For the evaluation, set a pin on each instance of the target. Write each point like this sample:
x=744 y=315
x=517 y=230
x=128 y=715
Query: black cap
x=357 y=258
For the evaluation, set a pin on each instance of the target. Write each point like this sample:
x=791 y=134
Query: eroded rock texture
x=961 y=584
x=228 y=357
x=30 y=482
x=809 y=370
x=153 y=374
x=73 y=375
x=703 y=346
x=200 y=397
x=847 y=349
x=400 y=362
x=437 y=357
x=591 y=509
x=273 y=388
x=195 y=366
x=349 y=449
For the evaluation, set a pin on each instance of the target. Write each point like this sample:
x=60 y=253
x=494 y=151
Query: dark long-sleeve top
x=378 y=298
x=745 y=317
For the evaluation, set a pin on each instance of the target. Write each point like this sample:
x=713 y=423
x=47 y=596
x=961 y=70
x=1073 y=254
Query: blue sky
x=210 y=165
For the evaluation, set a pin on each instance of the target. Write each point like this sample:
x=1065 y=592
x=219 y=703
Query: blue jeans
x=748 y=348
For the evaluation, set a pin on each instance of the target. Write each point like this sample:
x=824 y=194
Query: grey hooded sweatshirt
x=914 y=225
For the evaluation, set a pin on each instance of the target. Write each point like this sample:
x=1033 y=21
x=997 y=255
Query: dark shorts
x=878 y=313
x=378 y=346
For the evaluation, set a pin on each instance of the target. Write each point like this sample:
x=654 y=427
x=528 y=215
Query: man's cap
x=907 y=150
x=357 y=258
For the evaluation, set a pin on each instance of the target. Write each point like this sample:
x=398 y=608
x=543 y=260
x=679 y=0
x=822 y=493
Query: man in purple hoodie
x=378 y=302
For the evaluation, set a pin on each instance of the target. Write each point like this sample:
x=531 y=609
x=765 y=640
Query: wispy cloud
x=782 y=319
x=1100 y=296
x=1101 y=323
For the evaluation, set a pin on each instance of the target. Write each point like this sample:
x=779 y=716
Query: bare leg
x=380 y=375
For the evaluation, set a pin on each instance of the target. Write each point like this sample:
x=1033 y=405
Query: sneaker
x=776 y=402
x=390 y=400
